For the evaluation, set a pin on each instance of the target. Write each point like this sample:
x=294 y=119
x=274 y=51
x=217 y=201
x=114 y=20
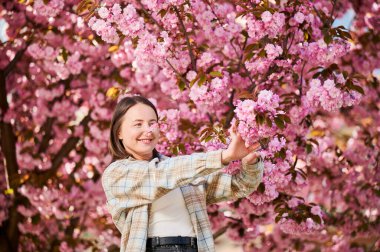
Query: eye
x=153 y=125
x=138 y=124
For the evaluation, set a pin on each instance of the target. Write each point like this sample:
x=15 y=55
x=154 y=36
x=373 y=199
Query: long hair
x=115 y=145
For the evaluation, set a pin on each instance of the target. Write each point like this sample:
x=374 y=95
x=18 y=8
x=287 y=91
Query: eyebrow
x=140 y=120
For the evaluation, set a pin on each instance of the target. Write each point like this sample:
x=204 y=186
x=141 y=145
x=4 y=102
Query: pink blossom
x=50 y=9
x=299 y=17
x=289 y=226
x=273 y=51
x=266 y=16
x=294 y=202
x=316 y=210
x=103 y=12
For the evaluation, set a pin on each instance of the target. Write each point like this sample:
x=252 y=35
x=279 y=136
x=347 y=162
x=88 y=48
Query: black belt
x=171 y=240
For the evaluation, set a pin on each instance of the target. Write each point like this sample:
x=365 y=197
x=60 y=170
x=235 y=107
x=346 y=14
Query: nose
x=148 y=129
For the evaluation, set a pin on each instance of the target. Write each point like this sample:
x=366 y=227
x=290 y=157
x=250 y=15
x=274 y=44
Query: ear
x=119 y=135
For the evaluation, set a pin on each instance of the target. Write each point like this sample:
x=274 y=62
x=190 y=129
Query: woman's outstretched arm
x=221 y=186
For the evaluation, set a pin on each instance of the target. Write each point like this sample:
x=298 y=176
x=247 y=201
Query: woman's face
x=139 y=131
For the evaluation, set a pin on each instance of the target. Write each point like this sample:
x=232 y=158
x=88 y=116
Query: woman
x=159 y=203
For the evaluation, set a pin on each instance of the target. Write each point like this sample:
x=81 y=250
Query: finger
x=232 y=131
x=234 y=128
x=250 y=158
x=254 y=147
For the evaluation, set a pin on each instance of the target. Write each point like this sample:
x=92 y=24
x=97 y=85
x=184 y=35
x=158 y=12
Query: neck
x=146 y=157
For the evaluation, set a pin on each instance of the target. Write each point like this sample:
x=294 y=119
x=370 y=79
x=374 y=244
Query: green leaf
x=298 y=219
x=313 y=141
x=357 y=88
x=202 y=79
x=248 y=56
x=377 y=192
x=279 y=122
x=64 y=54
x=278 y=218
x=268 y=121
x=222 y=139
x=327 y=39
x=216 y=74
x=316 y=219
x=315 y=68
x=175 y=150
x=204 y=131
x=36 y=219
x=189 y=16
x=316 y=75
x=209 y=138
x=309 y=148
x=260 y=119
x=162 y=12
x=306 y=36
x=286 y=118
x=181 y=84
x=251 y=47
x=245 y=33
x=205 y=135
x=262 y=53
x=278 y=207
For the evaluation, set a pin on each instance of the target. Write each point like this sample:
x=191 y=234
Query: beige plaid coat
x=132 y=185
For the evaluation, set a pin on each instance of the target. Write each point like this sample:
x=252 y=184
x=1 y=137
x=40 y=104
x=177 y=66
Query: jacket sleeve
x=221 y=186
x=129 y=184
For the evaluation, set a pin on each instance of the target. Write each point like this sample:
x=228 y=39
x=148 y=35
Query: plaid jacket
x=132 y=185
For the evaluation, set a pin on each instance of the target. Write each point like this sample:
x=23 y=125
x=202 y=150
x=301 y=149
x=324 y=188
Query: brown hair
x=115 y=145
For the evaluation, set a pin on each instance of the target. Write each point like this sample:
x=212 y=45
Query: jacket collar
x=160 y=158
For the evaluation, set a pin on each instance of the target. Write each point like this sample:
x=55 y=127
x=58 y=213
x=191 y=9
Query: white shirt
x=169 y=216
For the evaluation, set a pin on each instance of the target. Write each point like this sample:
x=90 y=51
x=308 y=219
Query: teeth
x=145 y=140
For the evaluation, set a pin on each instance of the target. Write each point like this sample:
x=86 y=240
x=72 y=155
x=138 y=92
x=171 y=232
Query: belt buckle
x=156 y=241
x=192 y=242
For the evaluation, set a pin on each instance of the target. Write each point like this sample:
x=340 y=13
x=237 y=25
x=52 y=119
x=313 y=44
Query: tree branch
x=300 y=87
x=8 y=138
x=39 y=178
x=10 y=230
x=183 y=29
x=17 y=57
x=150 y=16
x=222 y=230
x=253 y=85
x=230 y=113
x=178 y=74
x=47 y=127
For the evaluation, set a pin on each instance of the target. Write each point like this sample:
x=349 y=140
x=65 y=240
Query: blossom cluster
x=48 y=8
x=126 y=20
x=308 y=227
x=329 y=97
x=210 y=93
x=269 y=24
x=267 y=104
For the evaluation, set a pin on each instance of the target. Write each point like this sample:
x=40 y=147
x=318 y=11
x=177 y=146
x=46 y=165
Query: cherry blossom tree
x=280 y=70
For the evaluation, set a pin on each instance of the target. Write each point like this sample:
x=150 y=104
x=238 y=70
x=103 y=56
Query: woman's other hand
x=237 y=150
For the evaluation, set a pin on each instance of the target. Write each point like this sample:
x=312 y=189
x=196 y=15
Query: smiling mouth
x=145 y=140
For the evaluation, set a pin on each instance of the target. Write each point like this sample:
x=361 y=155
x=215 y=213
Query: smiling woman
x=139 y=132
x=134 y=129
x=159 y=203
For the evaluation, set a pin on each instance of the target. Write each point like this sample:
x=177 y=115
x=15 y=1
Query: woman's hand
x=251 y=158
x=237 y=150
